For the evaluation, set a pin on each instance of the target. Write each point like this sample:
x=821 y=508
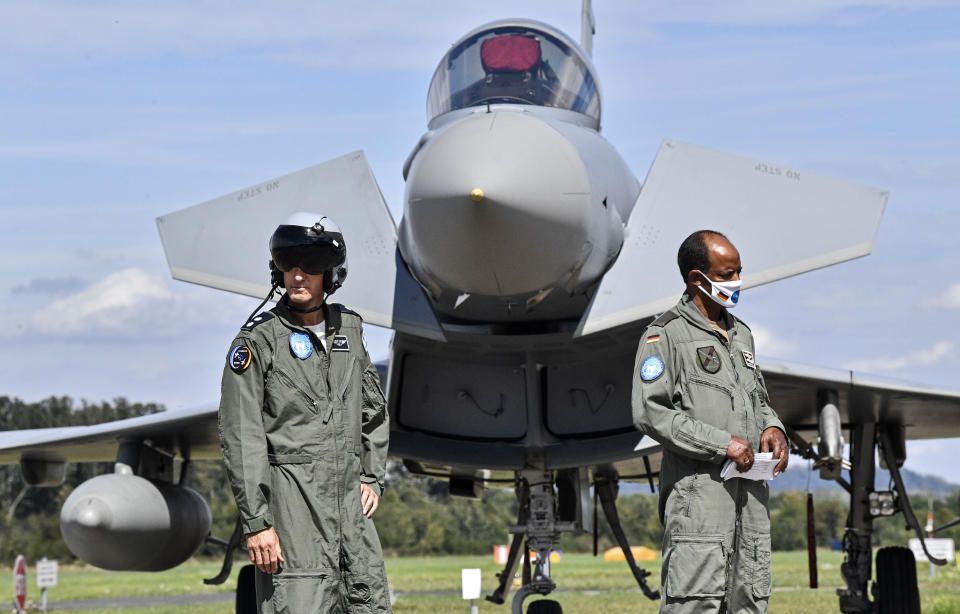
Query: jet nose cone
x=498 y=204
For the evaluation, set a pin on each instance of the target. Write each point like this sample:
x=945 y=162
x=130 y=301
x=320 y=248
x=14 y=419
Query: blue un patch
x=651 y=369
x=301 y=345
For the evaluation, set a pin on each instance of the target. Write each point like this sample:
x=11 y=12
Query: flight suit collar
x=691 y=313
x=331 y=318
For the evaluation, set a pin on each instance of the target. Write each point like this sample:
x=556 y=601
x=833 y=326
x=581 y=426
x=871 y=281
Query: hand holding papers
x=763 y=465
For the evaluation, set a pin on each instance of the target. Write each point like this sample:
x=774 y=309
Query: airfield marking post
x=929 y=530
x=470 y=583
x=46 y=578
x=20 y=583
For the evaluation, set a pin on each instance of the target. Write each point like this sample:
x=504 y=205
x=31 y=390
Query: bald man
x=697 y=390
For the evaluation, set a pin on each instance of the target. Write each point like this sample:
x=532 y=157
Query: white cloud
x=127 y=304
x=917 y=358
x=949 y=299
x=770 y=345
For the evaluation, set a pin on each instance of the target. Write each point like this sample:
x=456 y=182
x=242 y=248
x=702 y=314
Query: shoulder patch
x=651 y=369
x=239 y=358
x=257 y=320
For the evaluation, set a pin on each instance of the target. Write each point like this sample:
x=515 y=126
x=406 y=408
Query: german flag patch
x=653 y=338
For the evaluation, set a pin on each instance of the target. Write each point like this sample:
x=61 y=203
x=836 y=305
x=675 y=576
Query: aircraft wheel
x=895 y=590
x=544 y=606
x=246 y=590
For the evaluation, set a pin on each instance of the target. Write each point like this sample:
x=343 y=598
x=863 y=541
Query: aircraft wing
x=926 y=413
x=783 y=221
x=191 y=433
x=222 y=243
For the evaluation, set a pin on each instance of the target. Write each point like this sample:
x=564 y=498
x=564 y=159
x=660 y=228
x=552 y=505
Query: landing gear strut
x=545 y=513
x=895 y=566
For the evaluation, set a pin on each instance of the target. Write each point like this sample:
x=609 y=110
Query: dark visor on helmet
x=313 y=252
x=312 y=260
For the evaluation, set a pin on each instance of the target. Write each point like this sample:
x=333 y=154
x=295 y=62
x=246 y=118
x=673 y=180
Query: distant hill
x=797 y=475
x=916 y=483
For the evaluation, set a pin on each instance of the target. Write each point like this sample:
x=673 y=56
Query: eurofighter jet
x=527 y=263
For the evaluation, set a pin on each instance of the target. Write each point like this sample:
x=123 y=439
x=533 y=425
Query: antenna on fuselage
x=588 y=27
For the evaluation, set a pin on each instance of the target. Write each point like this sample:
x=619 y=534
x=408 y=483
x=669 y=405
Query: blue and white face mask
x=726 y=293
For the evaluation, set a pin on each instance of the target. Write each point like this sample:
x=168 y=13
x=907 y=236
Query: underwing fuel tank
x=508 y=205
x=127 y=523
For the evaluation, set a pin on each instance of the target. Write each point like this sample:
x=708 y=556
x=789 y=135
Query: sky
x=114 y=113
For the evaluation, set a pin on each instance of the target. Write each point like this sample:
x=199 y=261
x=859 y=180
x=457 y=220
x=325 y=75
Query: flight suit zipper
x=709 y=384
x=340 y=482
x=312 y=402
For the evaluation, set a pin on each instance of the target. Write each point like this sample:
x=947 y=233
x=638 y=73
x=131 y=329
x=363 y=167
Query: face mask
x=726 y=293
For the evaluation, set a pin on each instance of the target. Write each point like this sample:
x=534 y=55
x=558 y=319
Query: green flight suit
x=692 y=390
x=299 y=435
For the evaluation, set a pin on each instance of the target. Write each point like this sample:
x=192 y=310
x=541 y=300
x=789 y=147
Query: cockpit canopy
x=518 y=63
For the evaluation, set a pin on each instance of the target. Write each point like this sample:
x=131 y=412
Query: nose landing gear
x=545 y=513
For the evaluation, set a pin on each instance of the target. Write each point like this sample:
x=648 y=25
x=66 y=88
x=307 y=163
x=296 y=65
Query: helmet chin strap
x=286 y=299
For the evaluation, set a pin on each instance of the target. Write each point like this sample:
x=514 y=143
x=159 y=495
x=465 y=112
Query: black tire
x=246 y=590
x=895 y=590
x=544 y=606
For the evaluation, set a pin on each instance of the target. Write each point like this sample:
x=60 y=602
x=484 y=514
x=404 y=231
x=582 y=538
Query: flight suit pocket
x=695 y=566
x=299 y=590
x=288 y=395
x=708 y=400
x=762 y=572
x=346 y=384
x=359 y=592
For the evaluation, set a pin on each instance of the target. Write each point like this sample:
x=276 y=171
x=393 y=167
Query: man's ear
x=694 y=278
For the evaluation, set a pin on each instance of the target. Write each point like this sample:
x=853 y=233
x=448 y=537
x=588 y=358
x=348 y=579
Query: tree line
x=417 y=515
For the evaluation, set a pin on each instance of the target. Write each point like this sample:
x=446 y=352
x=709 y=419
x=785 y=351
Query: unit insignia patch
x=709 y=359
x=239 y=358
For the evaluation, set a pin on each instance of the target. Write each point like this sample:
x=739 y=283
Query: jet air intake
x=502 y=204
x=128 y=523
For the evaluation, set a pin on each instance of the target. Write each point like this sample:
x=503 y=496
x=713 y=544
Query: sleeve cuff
x=721 y=453
x=775 y=423
x=373 y=484
x=257 y=524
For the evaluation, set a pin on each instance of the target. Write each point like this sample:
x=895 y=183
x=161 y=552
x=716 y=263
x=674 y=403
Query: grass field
x=586 y=584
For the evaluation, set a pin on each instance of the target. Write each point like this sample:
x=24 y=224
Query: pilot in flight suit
x=304 y=429
x=699 y=392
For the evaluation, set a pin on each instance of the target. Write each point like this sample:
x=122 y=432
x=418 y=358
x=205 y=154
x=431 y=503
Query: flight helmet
x=312 y=242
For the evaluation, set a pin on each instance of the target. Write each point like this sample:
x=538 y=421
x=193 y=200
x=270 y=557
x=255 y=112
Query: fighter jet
x=527 y=263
